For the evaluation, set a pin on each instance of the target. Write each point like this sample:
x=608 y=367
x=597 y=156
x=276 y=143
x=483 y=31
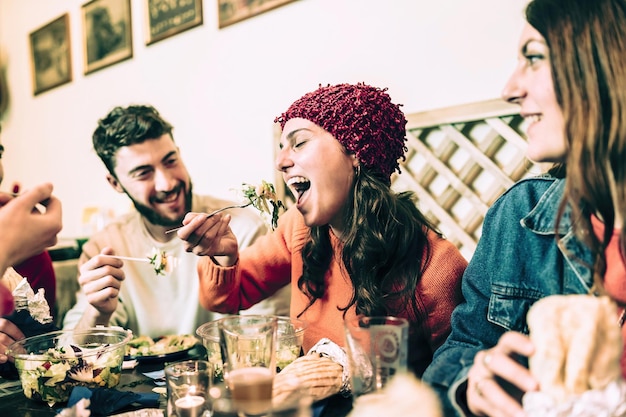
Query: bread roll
x=578 y=344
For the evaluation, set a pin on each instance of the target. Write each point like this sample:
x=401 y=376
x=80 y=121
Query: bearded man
x=137 y=147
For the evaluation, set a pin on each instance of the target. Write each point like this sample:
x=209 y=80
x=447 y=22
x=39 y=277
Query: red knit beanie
x=362 y=118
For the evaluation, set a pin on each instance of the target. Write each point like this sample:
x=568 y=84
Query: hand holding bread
x=578 y=346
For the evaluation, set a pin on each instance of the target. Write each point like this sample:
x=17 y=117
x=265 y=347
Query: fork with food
x=212 y=236
x=262 y=197
x=162 y=262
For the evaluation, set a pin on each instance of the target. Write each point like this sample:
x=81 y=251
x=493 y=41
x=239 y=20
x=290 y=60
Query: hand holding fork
x=213 y=213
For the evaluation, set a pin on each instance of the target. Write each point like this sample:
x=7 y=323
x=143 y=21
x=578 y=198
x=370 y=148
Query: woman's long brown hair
x=587 y=42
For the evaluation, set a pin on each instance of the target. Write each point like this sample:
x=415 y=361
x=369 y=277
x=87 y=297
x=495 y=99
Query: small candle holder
x=190 y=406
x=188 y=385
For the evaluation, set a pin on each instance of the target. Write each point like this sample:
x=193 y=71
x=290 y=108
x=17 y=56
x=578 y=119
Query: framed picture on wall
x=50 y=54
x=107 y=34
x=167 y=18
x=233 y=11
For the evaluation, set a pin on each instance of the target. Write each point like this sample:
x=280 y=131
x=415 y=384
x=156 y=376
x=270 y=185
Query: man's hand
x=101 y=279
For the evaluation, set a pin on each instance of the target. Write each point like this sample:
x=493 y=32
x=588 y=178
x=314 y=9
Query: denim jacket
x=518 y=260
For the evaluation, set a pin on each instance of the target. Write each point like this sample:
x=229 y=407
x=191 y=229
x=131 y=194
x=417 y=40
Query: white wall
x=222 y=88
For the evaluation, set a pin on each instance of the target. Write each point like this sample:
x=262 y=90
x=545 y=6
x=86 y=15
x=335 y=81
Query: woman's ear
x=355 y=161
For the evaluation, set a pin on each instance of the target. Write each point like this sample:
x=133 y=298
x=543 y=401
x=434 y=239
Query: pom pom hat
x=362 y=118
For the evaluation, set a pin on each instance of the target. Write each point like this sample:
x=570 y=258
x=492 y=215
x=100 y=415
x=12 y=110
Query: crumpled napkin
x=35 y=303
x=31 y=315
x=32 y=312
x=607 y=402
x=106 y=401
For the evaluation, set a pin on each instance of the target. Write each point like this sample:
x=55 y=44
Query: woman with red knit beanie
x=349 y=245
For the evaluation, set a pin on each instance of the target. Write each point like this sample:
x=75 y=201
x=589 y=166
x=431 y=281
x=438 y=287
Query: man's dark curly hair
x=125 y=126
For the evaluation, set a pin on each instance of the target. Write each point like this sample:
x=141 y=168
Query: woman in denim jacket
x=570 y=82
x=521 y=259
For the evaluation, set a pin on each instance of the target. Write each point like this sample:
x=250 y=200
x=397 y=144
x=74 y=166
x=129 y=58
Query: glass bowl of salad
x=51 y=364
x=210 y=334
x=290 y=333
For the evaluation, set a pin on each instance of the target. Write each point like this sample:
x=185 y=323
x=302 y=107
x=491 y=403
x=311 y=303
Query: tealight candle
x=190 y=406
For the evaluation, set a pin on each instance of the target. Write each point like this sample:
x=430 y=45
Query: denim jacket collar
x=542 y=219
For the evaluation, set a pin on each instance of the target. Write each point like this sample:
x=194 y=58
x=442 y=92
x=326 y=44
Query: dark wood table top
x=134 y=380
x=13 y=403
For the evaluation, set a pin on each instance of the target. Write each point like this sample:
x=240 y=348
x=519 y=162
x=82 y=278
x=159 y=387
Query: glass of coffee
x=249 y=347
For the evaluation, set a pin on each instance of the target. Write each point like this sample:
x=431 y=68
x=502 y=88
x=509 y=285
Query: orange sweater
x=275 y=260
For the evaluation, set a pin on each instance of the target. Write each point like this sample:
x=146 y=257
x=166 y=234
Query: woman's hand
x=27 y=231
x=496 y=381
x=210 y=236
x=9 y=333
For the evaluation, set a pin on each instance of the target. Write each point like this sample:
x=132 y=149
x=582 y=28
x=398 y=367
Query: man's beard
x=155 y=218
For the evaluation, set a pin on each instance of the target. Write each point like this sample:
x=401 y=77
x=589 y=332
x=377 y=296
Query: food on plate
x=145 y=346
x=162 y=262
x=578 y=344
x=263 y=198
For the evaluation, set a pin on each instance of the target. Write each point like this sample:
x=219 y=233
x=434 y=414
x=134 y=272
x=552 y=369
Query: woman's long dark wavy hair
x=587 y=43
x=385 y=250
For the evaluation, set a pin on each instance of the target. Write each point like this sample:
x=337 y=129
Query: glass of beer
x=249 y=346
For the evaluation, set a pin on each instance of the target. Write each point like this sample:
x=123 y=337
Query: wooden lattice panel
x=460 y=160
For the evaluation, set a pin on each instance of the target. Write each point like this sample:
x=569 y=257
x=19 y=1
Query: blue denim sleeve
x=496 y=288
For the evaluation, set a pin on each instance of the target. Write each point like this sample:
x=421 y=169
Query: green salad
x=263 y=198
x=143 y=346
x=51 y=379
x=214 y=355
x=285 y=354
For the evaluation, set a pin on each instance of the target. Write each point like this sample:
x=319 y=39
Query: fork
x=214 y=213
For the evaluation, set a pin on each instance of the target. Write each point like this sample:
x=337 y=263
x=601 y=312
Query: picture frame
x=51 y=54
x=233 y=11
x=107 y=33
x=165 y=19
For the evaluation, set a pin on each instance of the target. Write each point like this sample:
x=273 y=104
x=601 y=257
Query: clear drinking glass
x=188 y=385
x=377 y=349
x=249 y=343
